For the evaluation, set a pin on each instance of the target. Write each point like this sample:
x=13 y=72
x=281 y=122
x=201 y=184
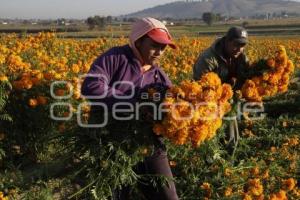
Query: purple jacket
x=119 y=75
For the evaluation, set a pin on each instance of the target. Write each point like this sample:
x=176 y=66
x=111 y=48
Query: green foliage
x=208 y=18
x=5 y=88
x=40 y=194
x=97 y=21
x=108 y=157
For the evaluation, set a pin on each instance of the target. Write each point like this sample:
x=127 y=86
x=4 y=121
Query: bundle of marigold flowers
x=274 y=80
x=194 y=110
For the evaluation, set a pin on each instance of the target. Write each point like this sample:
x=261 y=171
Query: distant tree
x=245 y=24
x=208 y=18
x=131 y=19
x=61 y=21
x=96 y=21
x=25 y=21
x=91 y=22
x=218 y=17
x=109 y=19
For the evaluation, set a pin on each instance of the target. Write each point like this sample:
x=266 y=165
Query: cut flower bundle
x=194 y=110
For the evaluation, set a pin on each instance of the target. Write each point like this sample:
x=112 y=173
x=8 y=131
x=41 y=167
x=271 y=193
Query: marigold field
x=46 y=158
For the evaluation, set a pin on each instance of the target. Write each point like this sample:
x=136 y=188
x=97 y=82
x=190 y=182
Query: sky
x=78 y=9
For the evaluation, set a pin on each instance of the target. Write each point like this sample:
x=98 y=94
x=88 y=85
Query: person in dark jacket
x=226 y=58
x=121 y=74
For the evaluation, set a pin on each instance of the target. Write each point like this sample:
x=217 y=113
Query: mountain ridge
x=229 y=8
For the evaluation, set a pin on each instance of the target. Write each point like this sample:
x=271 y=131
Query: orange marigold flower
x=260 y=197
x=175 y=92
x=27 y=83
x=280 y=53
x=228 y=192
x=255 y=187
x=290 y=67
x=144 y=151
x=210 y=80
x=255 y=171
x=205 y=186
x=227 y=93
x=182 y=135
x=281 y=195
x=158 y=129
x=257 y=80
x=284 y=124
x=294 y=141
x=208 y=95
x=2 y=197
x=265 y=175
x=247 y=197
x=3 y=78
x=270 y=62
x=199 y=134
x=273 y=149
x=289 y=184
x=42 y=100
x=48 y=75
x=207 y=189
x=282 y=88
x=227 y=172
x=191 y=89
x=32 y=102
x=76 y=94
x=75 y=68
x=172 y=163
x=250 y=91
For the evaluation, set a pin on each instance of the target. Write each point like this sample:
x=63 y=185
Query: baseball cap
x=238 y=34
x=148 y=26
x=161 y=36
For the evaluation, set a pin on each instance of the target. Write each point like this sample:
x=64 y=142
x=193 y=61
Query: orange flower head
x=290 y=67
x=32 y=102
x=41 y=100
x=270 y=62
x=158 y=129
x=2 y=197
x=255 y=171
x=75 y=68
x=255 y=187
x=228 y=192
x=280 y=51
x=210 y=80
x=281 y=57
x=289 y=184
x=281 y=195
x=227 y=93
x=3 y=78
x=172 y=163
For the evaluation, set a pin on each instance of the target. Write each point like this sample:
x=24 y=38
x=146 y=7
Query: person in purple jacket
x=117 y=79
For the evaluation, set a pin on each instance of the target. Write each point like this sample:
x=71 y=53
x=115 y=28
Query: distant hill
x=235 y=8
